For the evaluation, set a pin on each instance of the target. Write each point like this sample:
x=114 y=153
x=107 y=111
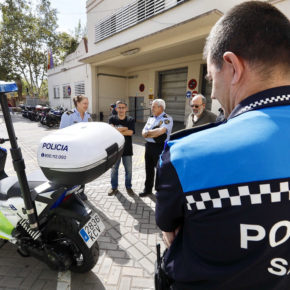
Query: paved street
x=127 y=248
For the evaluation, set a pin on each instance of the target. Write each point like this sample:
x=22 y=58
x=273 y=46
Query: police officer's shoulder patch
x=165 y=116
x=69 y=112
x=166 y=121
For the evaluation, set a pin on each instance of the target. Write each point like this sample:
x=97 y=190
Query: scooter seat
x=9 y=186
x=15 y=191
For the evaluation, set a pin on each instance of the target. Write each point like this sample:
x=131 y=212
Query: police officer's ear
x=234 y=67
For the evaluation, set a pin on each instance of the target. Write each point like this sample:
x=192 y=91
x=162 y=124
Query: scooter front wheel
x=65 y=232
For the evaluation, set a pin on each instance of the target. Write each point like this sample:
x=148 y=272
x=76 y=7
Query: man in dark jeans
x=126 y=126
x=156 y=132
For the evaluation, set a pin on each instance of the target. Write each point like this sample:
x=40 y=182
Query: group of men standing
x=156 y=132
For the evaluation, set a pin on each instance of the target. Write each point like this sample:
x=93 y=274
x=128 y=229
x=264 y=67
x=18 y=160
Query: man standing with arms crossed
x=223 y=192
x=156 y=131
x=126 y=126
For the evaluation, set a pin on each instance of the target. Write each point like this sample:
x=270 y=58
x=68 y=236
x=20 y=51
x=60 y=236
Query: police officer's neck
x=156 y=116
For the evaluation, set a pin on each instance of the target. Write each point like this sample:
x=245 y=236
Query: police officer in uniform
x=156 y=131
x=76 y=115
x=223 y=188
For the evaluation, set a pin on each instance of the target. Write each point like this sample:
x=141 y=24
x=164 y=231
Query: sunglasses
x=195 y=106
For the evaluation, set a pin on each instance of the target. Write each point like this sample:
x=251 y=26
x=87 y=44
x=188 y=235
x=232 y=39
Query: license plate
x=92 y=230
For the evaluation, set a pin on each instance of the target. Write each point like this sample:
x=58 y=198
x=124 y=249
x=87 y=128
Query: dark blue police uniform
x=228 y=189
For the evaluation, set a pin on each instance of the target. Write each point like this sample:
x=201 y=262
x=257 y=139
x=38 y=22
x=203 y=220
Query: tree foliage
x=27 y=33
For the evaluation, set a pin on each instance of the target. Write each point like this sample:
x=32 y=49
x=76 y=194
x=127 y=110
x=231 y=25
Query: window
x=56 y=92
x=80 y=88
x=132 y=14
x=66 y=91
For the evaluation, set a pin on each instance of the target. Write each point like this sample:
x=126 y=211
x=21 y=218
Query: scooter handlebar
x=3 y=140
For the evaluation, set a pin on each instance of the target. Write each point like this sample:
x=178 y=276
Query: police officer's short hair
x=256 y=31
x=78 y=99
x=160 y=103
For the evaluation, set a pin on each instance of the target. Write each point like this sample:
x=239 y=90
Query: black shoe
x=83 y=196
x=145 y=193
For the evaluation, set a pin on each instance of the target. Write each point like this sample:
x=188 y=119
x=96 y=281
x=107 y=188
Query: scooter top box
x=79 y=153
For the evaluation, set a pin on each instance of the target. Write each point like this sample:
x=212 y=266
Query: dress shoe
x=145 y=193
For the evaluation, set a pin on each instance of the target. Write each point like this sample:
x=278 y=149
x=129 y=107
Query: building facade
x=139 y=50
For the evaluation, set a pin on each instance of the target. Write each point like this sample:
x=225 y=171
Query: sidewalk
x=127 y=247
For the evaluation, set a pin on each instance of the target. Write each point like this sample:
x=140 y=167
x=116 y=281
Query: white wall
x=69 y=77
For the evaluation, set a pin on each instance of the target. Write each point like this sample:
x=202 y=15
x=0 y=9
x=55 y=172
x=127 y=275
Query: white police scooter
x=42 y=214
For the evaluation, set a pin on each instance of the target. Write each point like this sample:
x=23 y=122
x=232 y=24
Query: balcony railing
x=130 y=15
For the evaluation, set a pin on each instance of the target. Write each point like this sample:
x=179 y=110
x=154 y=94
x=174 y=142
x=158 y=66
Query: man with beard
x=200 y=115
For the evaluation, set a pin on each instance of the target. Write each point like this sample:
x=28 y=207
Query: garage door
x=172 y=88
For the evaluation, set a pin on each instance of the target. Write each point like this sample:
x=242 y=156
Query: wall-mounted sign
x=194 y=93
x=188 y=94
x=192 y=84
x=141 y=88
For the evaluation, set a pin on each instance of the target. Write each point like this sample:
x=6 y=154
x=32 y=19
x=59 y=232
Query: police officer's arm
x=165 y=127
x=65 y=120
x=170 y=200
x=154 y=132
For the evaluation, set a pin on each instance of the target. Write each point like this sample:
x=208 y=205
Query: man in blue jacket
x=223 y=198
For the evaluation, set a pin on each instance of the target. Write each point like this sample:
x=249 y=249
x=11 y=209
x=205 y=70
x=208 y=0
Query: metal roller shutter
x=172 y=88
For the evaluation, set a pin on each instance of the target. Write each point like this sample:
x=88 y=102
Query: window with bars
x=66 y=91
x=132 y=14
x=80 y=88
x=56 y=92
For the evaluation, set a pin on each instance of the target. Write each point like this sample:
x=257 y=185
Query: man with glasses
x=126 y=126
x=199 y=115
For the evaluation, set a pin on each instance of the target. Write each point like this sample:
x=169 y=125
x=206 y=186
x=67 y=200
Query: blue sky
x=69 y=13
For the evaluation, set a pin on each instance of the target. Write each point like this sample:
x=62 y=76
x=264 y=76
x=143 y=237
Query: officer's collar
x=279 y=96
x=160 y=116
x=78 y=113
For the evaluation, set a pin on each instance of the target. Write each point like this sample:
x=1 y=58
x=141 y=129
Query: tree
x=67 y=43
x=25 y=37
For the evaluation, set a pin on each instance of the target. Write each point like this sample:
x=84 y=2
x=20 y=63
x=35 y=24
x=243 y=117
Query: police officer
x=156 y=132
x=223 y=191
x=76 y=115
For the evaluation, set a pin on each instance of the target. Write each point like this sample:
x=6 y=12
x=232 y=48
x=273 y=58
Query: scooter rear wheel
x=65 y=232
